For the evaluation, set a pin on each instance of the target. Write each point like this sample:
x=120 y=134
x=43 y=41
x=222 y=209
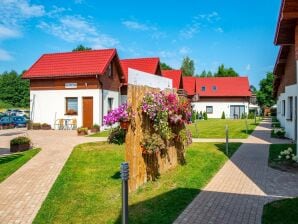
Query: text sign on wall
x=71 y=85
x=140 y=78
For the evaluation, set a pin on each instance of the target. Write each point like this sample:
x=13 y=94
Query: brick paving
x=238 y=192
x=22 y=194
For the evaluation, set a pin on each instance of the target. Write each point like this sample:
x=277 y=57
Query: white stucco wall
x=136 y=77
x=218 y=108
x=48 y=105
x=289 y=125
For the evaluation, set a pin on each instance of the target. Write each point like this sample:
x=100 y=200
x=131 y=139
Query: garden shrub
x=117 y=136
x=20 y=140
x=243 y=115
x=251 y=115
x=223 y=116
x=205 y=116
x=193 y=116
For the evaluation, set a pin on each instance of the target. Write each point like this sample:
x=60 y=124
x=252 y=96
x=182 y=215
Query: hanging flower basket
x=124 y=124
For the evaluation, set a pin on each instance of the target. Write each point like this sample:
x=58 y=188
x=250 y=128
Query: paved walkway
x=22 y=194
x=238 y=192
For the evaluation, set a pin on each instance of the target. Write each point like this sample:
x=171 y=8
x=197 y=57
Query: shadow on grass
x=231 y=149
x=164 y=208
x=6 y=159
x=116 y=175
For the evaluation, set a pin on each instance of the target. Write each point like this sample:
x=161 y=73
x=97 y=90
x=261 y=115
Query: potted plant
x=152 y=144
x=82 y=131
x=36 y=126
x=71 y=112
x=95 y=128
x=123 y=114
x=30 y=125
x=20 y=144
x=45 y=126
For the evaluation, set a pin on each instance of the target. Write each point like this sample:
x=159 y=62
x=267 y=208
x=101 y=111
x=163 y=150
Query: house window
x=203 y=88
x=110 y=104
x=214 y=88
x=71 y=105
x=283 y=108
x=209 y=109
x=109 y=71
x=290 y=108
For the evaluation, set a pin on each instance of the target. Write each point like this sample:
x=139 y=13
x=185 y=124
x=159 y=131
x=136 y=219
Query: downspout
x=102 y=104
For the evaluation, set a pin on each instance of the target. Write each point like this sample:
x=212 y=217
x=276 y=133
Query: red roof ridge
x=80 y=52
x=143 y=58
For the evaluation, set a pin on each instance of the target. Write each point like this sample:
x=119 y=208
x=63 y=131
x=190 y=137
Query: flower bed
x=278 y=133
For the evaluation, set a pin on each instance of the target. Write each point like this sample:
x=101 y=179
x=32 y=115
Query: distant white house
x=215 y=95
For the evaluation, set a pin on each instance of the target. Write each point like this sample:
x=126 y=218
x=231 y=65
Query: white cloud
x=184 y=50
x=78 y=29
x=211 y=17
x=190 y=30
x=219 y=30
x=248 y=67
x=133 y=25
x=4 y=55
x=7 y=33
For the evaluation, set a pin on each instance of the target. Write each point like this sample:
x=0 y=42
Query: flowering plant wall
x=122 y=113
x=168 y=113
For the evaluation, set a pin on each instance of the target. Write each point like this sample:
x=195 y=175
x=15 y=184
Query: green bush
x=243 y=115
x=193 y=116
x=20 y=140
x=223 y=116
x=96 y=126
x=251 y=115
x=201 y=115
x=117 y=136
x=205 y=116
x=5 y=105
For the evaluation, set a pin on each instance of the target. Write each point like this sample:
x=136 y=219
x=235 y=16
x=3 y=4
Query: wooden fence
x=144 y=167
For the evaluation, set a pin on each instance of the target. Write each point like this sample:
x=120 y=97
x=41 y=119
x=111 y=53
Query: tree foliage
x=187 y=67
x=82 y=48
x=14 y=90
x=253 y=89
x=225 y=72
x=265 y=94
x=165 y=66
x=206 y=74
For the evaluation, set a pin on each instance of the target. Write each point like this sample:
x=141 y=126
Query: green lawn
x=281 y=212
x=275 y=150
x=88 y=188
x=9 y=164
x=104 y=133
x=215 y=128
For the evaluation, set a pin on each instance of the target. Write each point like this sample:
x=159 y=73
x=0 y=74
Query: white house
x=216 y=95
x=285 y=70
x=81 y=86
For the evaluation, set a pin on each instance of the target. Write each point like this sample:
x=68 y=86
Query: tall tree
x=265 y=94
x=187 y=67
x=14 y=90
x=82 y=48
x=206 y=74
x=165 y=66
x=225 y=72
x=253 y=89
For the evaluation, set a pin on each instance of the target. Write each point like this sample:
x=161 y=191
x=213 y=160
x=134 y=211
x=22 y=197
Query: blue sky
x=238 y=34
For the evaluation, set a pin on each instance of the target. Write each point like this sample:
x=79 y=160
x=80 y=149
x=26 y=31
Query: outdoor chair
x=59 y=123
x=73 y=124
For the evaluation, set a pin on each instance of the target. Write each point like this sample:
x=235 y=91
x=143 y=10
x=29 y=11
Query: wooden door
x=87 y=112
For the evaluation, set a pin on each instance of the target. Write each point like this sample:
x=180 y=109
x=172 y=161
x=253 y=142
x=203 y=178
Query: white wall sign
x=71 y=85
x=136 y=77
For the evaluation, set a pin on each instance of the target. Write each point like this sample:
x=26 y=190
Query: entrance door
x=295 y=119
x=87 y=112
x=236 y=111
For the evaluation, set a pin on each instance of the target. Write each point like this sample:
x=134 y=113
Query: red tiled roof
x=175 y=75
x=79 y=63
x=189 y=85
x=225 y=86
x=149 y=65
